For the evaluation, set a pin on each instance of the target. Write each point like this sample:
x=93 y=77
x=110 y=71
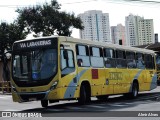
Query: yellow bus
x=158 y=67
x=50 y=69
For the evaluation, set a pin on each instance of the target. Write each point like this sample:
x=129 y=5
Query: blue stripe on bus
x=154 y=82
x=135 y=77
x=71 y=87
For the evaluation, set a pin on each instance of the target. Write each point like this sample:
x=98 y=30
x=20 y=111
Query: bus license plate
x=32 y=99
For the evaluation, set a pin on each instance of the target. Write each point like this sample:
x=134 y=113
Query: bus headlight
x=14 y=88
x=54 y=85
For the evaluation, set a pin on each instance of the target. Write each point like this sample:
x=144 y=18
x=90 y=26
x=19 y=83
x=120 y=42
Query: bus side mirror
x=65 y=54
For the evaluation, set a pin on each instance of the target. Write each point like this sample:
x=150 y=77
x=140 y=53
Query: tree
x=8 y=34
x=47 y=20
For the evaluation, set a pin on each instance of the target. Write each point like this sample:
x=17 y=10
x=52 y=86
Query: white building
x=139 y=31
x=146 y=32
x=117 y=34
x=96 y=26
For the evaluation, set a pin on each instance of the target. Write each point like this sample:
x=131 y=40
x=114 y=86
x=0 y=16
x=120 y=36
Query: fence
x=5 y=86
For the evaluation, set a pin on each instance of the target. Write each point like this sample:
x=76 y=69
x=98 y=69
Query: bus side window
x=130 y=57
x=82 y=52
x=96 y=57
x=140 y=61
x=149 y=61
x=109 y=58
x=121 y=59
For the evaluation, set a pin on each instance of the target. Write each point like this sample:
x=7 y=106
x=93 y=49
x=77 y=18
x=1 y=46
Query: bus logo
x=115 y=76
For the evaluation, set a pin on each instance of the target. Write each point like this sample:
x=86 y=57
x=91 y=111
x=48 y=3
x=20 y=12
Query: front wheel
x=44 y=103
x=85 y=96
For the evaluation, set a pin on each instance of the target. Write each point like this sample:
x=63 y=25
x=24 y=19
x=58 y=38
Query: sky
x=117 y=10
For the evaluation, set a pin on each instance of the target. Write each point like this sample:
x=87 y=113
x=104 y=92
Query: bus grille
x=27 y=97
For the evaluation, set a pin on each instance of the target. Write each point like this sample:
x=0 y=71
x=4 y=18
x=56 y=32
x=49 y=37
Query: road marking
x=74 y=108
x=98 y=106
x=95 y=106
x=56 y=110
x=118 y=105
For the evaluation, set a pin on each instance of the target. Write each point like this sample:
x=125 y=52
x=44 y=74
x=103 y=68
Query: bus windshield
x=34 y=66
x=43 y=64
x=158 y=61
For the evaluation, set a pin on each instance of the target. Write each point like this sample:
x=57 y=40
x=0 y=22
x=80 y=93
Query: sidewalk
x=5 y=93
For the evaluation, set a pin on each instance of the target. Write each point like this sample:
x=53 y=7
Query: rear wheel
x=134 y=92
x=44 y=103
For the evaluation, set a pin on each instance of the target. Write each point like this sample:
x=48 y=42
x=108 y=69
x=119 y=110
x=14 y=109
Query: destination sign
x=35 y=44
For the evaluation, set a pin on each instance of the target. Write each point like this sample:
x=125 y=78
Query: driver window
x=67 y=65
x=63 y=61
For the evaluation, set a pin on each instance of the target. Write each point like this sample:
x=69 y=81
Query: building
x=146 y=32
x=96 y=26
x=118 y=34
x=156 y=37
x=139 y=31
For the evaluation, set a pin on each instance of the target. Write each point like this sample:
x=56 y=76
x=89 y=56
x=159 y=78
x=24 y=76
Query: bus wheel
x=134 y=92
x=44 y=103
x=102 y=97
x=83 y=95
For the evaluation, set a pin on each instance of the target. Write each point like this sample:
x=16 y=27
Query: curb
x=1 y=93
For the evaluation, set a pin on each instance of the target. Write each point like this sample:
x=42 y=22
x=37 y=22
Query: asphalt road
x=117 y=107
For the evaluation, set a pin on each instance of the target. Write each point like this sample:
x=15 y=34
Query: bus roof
x=108 y=45
x=94 y=43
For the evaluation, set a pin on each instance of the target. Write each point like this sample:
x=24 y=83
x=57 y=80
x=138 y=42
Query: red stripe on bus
x=94 y=73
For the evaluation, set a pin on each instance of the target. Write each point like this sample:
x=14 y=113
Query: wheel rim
x=135 y=91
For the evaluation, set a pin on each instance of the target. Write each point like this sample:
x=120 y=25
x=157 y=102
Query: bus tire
x=134 y=92
x=83 y=96
x=44 y=103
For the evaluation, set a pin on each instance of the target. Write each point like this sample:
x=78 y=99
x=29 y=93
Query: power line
x=133 y=1
x=124 y=2
x=16 y=6
x=80 y=2
x=143 y=1
x=127 y=2
x=130 y=3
